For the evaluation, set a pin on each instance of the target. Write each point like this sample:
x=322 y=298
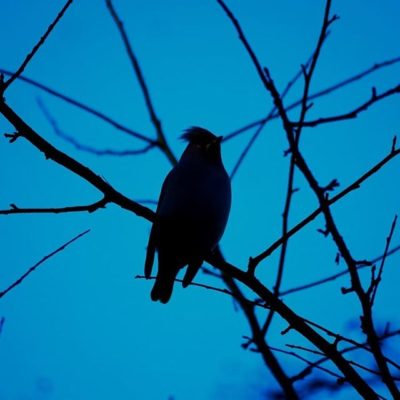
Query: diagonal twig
x=89 y=149
x=45 y=258
x=29 y=57
x=83 y=107
x=323 y=92
x=143 y=85
x=254 y=261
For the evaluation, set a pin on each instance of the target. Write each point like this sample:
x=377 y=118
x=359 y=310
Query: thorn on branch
x=337 y=258
x=287 y=152
x=247 y=343
x=309 y=106
x=254 y=350
x=295 y=190
x=373 y=96
x=267 y=75
x=394 y=143
x=286 y=330
x=251 y=266
x=334 y=183
x=347 y=290
x=12 y=137
x=13 y=206
x=334 y=18
x=324 y=232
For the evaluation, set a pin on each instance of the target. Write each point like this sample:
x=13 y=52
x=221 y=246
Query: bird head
x=202 y=144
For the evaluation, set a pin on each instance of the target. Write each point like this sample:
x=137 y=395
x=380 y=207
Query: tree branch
x=28 y=58
x=82 y=147
x=354 y=113
x=50 y=152
x=146 y=93
x=45 y=258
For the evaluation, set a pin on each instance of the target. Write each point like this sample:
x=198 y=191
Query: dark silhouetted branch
x=368 y=327
x=50 y=152
x=145 y=90
x=308 y=73
x=208 y=287
x=354 y=113
x=55 y=210
x=259 y=340
x=335 y=276
x=84 y=107
x=261 y=126
x=254 y=261
x=321 y=360
x=28 y=58
x=33 y=268
x=89 y=149
x=311 y=364
x=376 y=281
x=321 y=93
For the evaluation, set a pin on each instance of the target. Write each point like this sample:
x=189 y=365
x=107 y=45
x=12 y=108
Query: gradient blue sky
x=81 y=327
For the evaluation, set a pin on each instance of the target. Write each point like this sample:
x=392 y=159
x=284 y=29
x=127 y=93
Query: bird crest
x=198 y=136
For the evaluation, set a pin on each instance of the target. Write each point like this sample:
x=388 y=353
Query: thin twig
x=208 y=287
x=375 y=282
x=29 y=57
x=71 y=164
x=321 y=93
x=89 y=149
x=335 y=276
x=33 y=268
x=308 y=370
x=56 y=210
x=83 y=107
x=354 y=113
x=261 y=126
x=308 y=74
x=143 y=85
x=310 y=364
x=354 y=186
x=368 y=326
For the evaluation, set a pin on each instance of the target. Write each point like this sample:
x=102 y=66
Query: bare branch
x=82 y=147
x=59 y=210
x=354 y=113
x=84 y=107
x=208 y=287
x=367 y=323
x=29 y=57
x=321 y=93
x=50 y=152
x=146 y=93
x=308 y=370
x=311 y=364
x=335 y=276
x=354 y=186
x=375 y=282
x=45 y=258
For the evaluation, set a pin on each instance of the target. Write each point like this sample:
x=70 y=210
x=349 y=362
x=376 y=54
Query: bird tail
x=164 y=285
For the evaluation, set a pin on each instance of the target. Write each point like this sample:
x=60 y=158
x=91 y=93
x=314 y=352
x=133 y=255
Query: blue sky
x=82 y=326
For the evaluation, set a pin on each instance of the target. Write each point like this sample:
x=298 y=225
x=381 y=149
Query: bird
x=191 y=215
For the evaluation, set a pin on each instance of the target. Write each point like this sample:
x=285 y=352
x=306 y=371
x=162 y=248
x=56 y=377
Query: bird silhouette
x=192 y=212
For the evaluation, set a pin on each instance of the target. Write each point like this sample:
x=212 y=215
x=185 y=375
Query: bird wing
x=151 y=246
x=151 y=249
